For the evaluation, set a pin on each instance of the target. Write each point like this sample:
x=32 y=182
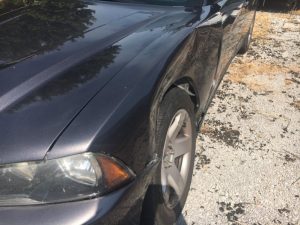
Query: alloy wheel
x=176 y=158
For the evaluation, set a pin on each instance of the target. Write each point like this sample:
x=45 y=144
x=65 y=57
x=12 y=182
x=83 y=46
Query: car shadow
x=148 y=213
x=181 y=220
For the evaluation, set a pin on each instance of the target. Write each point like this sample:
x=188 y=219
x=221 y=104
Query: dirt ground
x=247 y=169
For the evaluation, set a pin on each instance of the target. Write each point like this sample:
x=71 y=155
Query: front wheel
x=176 y=138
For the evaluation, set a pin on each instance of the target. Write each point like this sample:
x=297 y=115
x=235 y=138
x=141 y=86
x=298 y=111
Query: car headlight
x=65 y=179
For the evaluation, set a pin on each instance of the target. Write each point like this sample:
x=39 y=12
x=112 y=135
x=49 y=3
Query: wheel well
x=187 y=85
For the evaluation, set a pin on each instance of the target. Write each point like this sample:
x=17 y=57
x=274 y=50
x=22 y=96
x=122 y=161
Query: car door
x=225 y=24
x=248 y=15
x=233 y=22
x=205 y=53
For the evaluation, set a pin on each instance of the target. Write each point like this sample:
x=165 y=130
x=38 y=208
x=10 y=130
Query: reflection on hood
x=28 y=27
x=73 y=78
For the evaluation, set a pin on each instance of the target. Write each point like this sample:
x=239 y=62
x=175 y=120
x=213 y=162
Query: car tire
x=247 y=40
x=165 y=199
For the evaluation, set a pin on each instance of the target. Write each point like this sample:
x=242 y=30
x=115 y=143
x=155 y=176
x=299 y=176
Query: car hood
x=55 y=57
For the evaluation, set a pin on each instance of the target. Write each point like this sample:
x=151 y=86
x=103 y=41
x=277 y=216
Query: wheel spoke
x=176 y=126
x=175 y=179
x=164 y=180
x=182 y=145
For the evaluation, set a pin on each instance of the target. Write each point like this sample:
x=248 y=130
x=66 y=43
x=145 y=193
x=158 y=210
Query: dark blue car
x=101 y=102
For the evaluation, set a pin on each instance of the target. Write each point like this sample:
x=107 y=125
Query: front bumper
x=122 y=207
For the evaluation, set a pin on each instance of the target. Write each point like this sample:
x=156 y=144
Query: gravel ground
x=248 y=154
